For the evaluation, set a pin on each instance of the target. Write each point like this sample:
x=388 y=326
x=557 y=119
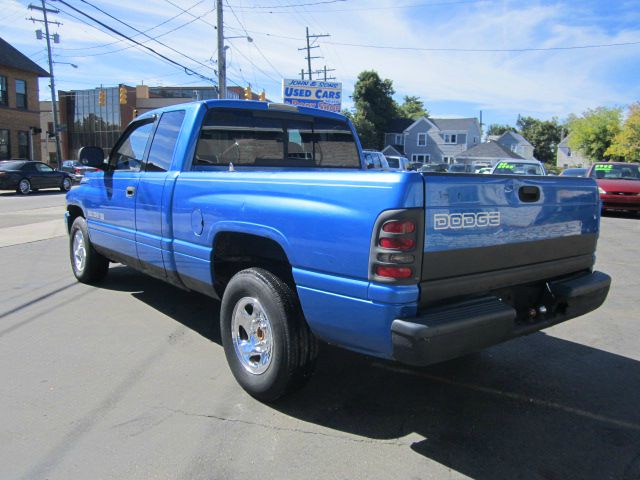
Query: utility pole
x=325 y=70
x=308 y=49
x=52 y=84
x=222 y=67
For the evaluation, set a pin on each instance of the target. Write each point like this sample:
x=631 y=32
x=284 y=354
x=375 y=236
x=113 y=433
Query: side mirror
x=92 y=157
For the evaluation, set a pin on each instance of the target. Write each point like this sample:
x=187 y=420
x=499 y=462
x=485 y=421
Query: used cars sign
x=312 y=93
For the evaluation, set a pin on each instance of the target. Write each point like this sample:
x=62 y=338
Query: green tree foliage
x=413 y=108
x=375 y=108
x=544 y=135
x=626 y=143
x=593 y=132
x=497 y=129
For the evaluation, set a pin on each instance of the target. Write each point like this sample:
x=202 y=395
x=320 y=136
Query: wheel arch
x=234 y=251
x=74 y=212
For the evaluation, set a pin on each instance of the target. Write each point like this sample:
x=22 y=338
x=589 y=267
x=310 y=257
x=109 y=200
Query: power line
x=144 y=42
x=142 y=33
x=282 y=8
x=294 y=4
x=189 y=13
x=187 y=70
x=463 y=50
x=485 y=50
x=254 y=44
x=137 y=34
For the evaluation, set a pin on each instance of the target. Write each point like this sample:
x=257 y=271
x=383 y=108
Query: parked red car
x=618 y=184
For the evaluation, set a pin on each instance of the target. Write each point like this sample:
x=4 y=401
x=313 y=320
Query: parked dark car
x=25 y=176
x=574 y=172
x=76 y=169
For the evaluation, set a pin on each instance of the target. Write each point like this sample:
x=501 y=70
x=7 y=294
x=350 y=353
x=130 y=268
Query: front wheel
x=66 y=184
x=87 y=264
x=24 y=187
x=268 y=344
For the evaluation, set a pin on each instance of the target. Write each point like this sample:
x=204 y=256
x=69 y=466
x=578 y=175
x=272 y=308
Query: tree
x=375 y=108
x=497 y=129
x=544 y=135
x=593 y=132
x=413 y=108
x=626 y=143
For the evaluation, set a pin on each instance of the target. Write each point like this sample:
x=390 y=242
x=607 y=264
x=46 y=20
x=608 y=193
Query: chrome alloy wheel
x=252 y=336
x=79 y=251
x=24 y=186
x=66 y=184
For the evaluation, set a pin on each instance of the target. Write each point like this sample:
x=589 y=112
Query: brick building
x=84 y=121
x=19 y=105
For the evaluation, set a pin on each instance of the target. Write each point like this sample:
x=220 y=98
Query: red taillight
x=77 y=170
x=394 y=226
x=397 y=243
x=396 y=253
x=393 y=272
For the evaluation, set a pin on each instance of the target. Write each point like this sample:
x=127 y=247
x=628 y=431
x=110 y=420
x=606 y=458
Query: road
x=129 y=381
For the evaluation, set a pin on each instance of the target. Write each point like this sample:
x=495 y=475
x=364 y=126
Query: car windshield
x=517 y=168
x=615 y=171
x=393 y=162
x=5 y=166
x=458 y=168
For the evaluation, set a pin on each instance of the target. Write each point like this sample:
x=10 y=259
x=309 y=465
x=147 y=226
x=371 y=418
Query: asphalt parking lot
x=129 y=381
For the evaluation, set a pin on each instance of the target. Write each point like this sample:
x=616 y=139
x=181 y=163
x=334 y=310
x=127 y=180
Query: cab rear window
x=273 y=139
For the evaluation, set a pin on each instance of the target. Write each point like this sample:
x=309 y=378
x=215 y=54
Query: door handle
x=131 y=191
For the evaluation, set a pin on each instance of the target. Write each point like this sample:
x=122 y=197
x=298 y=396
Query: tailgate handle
x=529 y=193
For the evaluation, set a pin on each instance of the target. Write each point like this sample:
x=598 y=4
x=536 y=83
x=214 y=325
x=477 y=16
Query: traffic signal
x=263 y=96
x=123 y=95
x=247 y=93
x=102 y=98
x=135 y=112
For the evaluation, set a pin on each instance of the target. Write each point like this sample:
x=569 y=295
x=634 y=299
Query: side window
x=29 y=167
x=21 y=94
x=130 y=153
x=42 y=168
x=164 y=141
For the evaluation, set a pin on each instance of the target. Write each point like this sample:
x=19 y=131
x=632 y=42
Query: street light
x=222 y=62
x=67 y=63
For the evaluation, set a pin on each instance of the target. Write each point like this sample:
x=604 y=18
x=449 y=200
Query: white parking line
x=32 y=232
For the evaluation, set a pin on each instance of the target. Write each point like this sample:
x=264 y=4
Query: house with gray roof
x=432 y=140
x=489 y=153
x=569 y=158
x=517 y=144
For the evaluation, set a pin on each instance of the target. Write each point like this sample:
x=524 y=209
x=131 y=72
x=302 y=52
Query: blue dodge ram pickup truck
x=271 y=209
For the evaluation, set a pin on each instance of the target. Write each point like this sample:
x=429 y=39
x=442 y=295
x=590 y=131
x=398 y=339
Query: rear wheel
x=268 y=344
x=66 y=184
x=24 y=187
x=87 y=264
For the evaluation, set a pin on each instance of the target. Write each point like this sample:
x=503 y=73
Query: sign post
x=312 y=93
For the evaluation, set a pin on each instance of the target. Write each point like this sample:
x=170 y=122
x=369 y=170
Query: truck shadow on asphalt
x=535 y=407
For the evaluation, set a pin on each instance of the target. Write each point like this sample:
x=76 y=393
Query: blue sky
x=451 y=83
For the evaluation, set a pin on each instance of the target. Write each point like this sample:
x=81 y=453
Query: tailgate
x=490 y=231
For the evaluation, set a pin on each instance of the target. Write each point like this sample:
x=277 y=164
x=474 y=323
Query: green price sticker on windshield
x=504 y=165
x=604 y=167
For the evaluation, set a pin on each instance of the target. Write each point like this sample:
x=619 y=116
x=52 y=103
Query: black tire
x=24 y=186
x=95 y=267
x=294 y=348
x=65 y=186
